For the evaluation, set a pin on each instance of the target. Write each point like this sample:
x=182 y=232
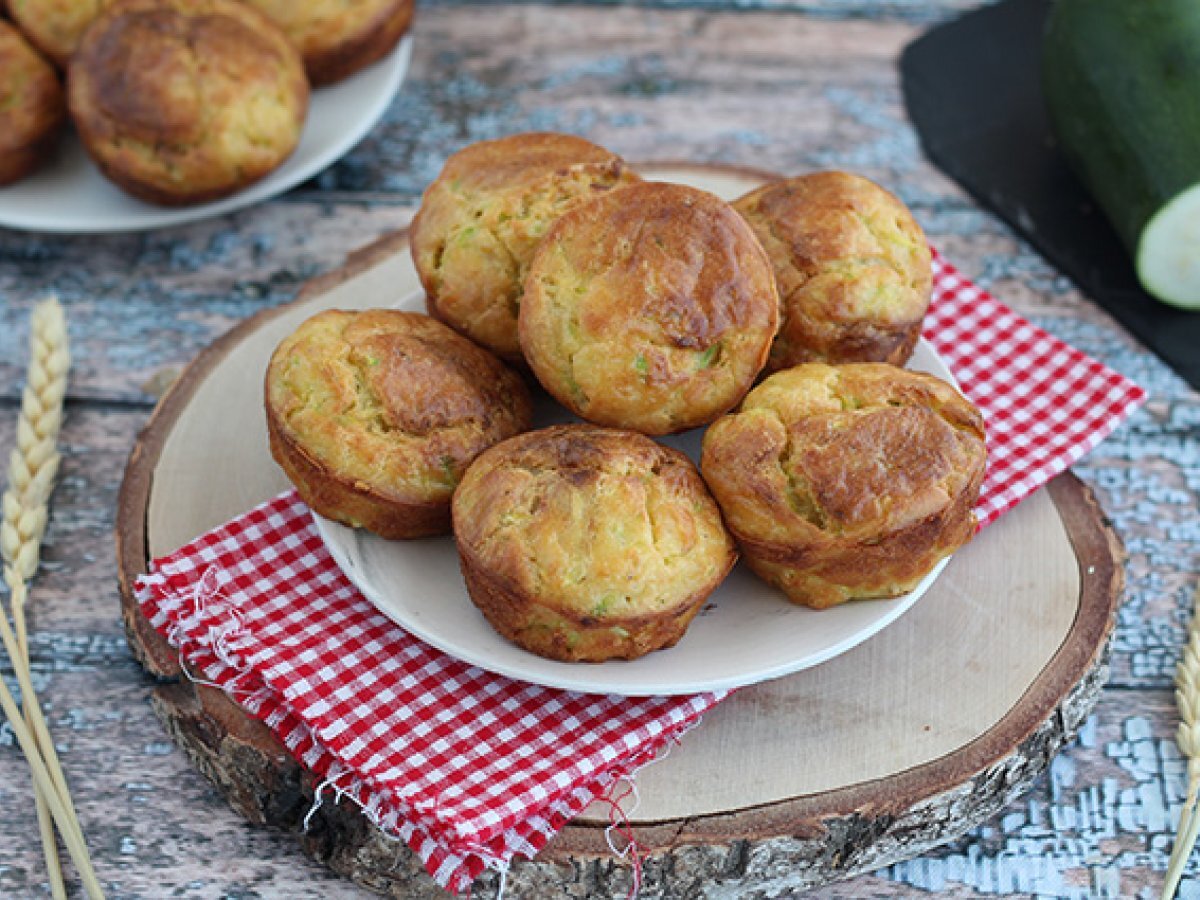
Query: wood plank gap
x=877 y=12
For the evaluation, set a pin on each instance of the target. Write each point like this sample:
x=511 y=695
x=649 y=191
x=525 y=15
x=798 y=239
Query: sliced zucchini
x=1121 y=80
x=1168 y=254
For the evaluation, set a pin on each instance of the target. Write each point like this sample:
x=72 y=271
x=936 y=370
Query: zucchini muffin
x=585 y=544
x=847 y=482
x=336 y=38
x=651 y=308
x=482 y=218
x=852 y=265
x=184 y=101
x=56 y=26
x=375 y=415
x=32 y=108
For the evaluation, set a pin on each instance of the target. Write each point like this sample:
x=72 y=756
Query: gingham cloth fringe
x=469 y=768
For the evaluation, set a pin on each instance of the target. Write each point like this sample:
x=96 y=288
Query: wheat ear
x=1187 y=698
x=31 y=472
x=32 y=468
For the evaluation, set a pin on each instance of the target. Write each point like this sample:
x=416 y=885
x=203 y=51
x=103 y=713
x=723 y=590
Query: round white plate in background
x=70 y=196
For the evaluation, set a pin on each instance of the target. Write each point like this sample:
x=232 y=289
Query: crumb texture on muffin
x=32 y=107
x=583 y=543
x=852 y=265
x=337 y=38
x=844 y=482
x=376 y=415
x=56 y=26
x=482 y=218
x=651 y=308
x=181 y=101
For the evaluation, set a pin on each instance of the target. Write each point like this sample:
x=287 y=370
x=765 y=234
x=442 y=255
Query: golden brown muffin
x=375 y=415
x=56 y=26
x=183 y=101
x=584 y=544
x=482 y=218
x=852 y=266
x=845 y=482
x=651 y=308
x=32 y=108
x=337 y=38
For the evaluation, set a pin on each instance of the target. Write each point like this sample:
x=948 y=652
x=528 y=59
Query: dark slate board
x=972 y=90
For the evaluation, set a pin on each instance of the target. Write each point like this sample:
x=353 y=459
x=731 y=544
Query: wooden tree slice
x=899 y=745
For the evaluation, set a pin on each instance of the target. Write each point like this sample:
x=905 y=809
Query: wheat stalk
x=33 y=465
x=1187 y=698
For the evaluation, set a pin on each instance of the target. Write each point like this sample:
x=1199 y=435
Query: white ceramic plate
x=70 y=195
x=746 y=633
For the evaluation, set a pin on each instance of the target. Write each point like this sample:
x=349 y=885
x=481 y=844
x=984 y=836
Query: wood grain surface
x=811 y=86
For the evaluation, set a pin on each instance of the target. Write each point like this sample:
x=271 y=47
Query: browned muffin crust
x=651 y=308
x=56 y=27
x=484 y=215
x=852 y=264
x=375 y=415
x=845 y=482
x=336 y=38
x=32 y=107
x=184 y=101
x=585 y=544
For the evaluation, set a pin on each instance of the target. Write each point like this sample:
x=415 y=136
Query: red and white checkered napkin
x=1045 y=403
x=470 y=768
x=466 y=766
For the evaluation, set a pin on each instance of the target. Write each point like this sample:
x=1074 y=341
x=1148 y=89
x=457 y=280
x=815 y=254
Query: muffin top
x=187 y=100
x=56 y=26
x=337 y=38
x=592 y=521
x=852 y=265
x=392 y=401
x=844 y=453
x=31 y=100
x=651 y=308
x=482 y=218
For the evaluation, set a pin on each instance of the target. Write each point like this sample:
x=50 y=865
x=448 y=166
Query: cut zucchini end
x=1168 y=257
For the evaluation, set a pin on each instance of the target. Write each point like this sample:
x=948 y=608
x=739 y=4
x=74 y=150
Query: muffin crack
x=884 y=240
x=803 y=264
x=512 y=298
x=798 y=489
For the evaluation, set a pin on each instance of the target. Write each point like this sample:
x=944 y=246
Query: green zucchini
x=1122 y=85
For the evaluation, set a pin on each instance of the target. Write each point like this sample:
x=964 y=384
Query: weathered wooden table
x=786 y=87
